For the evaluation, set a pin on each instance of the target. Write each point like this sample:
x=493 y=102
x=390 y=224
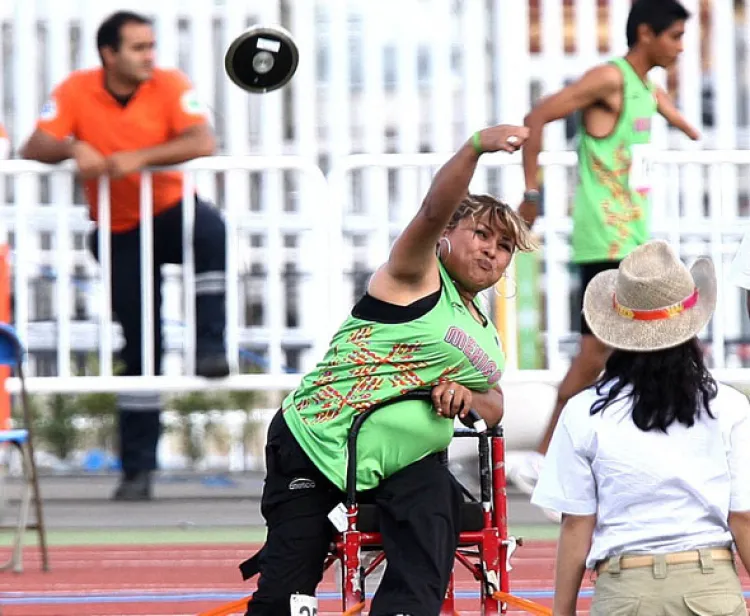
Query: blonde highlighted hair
x=501 y=214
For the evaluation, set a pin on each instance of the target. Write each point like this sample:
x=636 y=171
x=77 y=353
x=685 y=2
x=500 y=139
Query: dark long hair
x=667 y=386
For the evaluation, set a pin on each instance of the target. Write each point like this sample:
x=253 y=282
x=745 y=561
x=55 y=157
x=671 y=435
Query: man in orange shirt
x=116 y=121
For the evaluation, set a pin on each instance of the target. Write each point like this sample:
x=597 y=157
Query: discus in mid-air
x=262 y=59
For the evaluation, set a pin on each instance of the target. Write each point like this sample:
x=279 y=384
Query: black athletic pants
x=419 y=511
x=139 y=421
x=587 y=272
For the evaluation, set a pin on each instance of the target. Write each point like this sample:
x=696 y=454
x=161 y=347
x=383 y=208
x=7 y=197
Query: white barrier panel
x=270 y=217
x=737 y=377
x=715 y=232
x=369 y=88
x=529 y=396
x=347 y=237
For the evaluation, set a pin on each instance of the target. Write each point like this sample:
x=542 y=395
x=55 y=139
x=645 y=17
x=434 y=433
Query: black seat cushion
x=472 y=518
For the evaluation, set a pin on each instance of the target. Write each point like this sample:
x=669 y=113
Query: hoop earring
x=447 y=242
x=508 y=278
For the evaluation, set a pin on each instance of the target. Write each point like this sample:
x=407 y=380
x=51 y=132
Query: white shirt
x=651 y=491
x=739 y=271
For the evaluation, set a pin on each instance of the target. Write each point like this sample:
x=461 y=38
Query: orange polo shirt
x=162 y=108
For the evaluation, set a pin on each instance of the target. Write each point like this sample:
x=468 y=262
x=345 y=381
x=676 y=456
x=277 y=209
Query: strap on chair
x=252 y=565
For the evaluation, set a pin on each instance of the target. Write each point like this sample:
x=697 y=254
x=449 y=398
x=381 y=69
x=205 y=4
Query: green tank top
x=369 y=362
x=611 y=213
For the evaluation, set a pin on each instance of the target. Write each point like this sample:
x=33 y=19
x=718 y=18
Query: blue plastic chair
x=12 y=354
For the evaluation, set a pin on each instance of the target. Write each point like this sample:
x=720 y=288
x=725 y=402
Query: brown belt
x=675 y=558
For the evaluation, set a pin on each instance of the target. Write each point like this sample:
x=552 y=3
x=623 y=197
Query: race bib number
x=303 y=605
x=640 y=168
x=338 y=517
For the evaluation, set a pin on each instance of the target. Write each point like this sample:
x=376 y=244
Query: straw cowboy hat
x=652 y=301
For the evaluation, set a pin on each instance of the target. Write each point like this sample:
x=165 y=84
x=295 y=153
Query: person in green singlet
x=419 y=326
x=611 y=215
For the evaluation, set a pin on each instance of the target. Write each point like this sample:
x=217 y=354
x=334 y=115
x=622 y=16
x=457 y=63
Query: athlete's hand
x=90 y=162
x=503 y=138
x=451 y=399
x=121 y=164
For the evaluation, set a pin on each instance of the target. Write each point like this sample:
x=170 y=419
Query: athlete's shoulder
x=598 y=82
x=608 y=72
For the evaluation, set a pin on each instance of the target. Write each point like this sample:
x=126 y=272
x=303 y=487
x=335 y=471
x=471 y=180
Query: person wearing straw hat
x=650 y=466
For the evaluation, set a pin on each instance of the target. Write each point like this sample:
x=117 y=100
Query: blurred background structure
x=317 y=179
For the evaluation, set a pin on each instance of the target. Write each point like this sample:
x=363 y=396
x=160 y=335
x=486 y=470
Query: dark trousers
x=587 y=272
x=419 y=511
x=140 y=425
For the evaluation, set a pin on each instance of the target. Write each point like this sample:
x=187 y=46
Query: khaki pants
x=711 y=588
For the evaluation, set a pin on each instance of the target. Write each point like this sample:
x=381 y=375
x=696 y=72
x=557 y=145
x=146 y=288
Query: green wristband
x=476 y=141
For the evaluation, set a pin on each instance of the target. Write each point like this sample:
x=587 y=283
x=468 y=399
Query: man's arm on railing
x=195 y=142
x=45 y=148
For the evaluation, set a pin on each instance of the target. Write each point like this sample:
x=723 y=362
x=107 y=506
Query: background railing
x=295 y=266
x=301 y=247
x=365 y=83
x=63 y=316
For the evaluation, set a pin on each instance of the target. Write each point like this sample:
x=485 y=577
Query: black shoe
x=213 y=366
x=137 y=488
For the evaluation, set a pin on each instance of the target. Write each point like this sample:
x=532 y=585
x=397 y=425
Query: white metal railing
x=273 y=222
x=717 y=234
x=369 y=84
x=329 y=217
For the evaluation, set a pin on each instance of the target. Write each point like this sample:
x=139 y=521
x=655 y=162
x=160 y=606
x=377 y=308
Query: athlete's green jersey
x=611 y=216
x=369 y=362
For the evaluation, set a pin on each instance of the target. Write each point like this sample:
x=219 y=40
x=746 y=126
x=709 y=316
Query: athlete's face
x=664 y=49
x=134 y=61
x=481 y=250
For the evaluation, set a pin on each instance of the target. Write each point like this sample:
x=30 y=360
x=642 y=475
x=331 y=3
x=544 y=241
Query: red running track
x=184 y=580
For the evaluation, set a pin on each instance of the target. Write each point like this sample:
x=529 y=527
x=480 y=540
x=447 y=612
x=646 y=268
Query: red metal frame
x=488 y=566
